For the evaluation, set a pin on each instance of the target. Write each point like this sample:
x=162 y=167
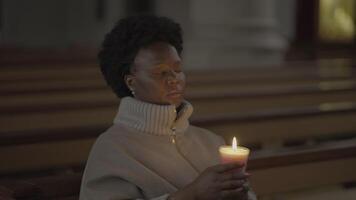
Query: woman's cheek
x=182 y=80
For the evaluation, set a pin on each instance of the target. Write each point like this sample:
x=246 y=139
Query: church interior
x=279 y=75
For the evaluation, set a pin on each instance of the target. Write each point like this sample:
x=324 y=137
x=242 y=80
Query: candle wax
x=229 y=155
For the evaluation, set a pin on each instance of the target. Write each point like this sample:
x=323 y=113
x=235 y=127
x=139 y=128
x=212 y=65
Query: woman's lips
x=176 y=94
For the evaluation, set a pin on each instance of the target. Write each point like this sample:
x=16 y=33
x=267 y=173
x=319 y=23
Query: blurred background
x=277 y=74
x=229 y=33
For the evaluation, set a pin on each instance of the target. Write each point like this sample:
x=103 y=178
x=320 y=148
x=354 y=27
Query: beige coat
x=148 y=153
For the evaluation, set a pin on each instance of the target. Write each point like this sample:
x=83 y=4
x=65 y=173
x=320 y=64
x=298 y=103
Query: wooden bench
x=72 y=85
x=61 y=187
x=95 y=80
x=204 y=101
x=307 y=71
x=65 y=137
x=273 y=172
x=66 y=79
x=45 y=94
x=61 y=122
x=275 y=127
x=298 y=168
x=17 y=57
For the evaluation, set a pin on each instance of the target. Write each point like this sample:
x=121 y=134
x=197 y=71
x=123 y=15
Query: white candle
x=234 y=153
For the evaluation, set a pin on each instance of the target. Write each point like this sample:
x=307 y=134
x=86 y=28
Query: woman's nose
x=172 y=77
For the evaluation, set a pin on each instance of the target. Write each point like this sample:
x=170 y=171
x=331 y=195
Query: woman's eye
x=160 y=73
x=164 y=73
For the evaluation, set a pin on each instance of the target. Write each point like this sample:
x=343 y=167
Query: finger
x=239 y=192
x=226 y=167
x=232 y=176
x=246 y=187
x=241 y=175
x=230 y=185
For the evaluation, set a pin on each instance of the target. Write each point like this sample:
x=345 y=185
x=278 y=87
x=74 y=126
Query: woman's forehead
x=157 y=54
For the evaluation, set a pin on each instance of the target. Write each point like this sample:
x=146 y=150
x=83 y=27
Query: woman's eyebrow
x=162 y=65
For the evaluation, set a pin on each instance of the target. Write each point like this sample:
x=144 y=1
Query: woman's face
x=157 y=75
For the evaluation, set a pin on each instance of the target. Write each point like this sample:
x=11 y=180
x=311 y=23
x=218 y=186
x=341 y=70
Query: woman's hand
x=223 y=181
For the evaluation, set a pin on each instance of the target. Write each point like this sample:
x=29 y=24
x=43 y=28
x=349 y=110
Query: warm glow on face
x=234 y=144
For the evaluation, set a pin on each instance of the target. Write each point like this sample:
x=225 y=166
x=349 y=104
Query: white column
x=233 y=33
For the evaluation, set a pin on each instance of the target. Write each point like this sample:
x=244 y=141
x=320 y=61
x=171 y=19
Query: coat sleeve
x=111 y=188
x=111 y=174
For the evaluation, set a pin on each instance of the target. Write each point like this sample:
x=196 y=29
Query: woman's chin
x=177 y=100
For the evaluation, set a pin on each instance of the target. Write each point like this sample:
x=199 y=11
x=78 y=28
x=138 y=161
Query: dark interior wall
x=35 y=23
x=57 y=23
x=306 y=21
x=134 y=7
x=1 y=13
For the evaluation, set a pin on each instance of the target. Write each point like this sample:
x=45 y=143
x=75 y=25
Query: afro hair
x=128 y=36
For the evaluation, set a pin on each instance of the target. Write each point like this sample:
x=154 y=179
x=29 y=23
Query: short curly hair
x=123 y=42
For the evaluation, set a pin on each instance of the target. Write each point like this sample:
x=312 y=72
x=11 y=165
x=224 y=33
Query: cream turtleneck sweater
x=151 y=118
x=148 y=153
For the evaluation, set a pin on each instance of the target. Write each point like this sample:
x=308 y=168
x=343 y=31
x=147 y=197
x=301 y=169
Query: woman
x=151 y=151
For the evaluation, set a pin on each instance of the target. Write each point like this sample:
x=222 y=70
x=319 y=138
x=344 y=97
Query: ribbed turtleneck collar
x=152 y=118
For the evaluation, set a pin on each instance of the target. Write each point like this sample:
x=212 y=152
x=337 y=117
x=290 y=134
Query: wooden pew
x=21 y=87
x=89 y=79
x=228 y=100
x=204 y=101
x=298 y=168
x=291 y=169
x=46 y=121
x=89 y=74
x=341 y=115
x=69 y=86
x=65 y=137
x=60 y=187
x=276 y=127
x=17 y=57
x=59 y=94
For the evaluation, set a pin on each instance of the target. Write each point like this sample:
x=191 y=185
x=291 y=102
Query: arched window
x=337 y=21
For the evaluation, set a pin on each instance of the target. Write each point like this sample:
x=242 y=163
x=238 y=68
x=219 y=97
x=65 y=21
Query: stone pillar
x=233 y=33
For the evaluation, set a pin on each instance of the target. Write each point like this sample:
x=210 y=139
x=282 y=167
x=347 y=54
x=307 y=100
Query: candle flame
x=234 y=144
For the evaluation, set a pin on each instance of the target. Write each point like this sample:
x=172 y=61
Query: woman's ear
x=130 y=82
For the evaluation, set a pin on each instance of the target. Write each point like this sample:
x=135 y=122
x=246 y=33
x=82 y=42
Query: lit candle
x=234 y=153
